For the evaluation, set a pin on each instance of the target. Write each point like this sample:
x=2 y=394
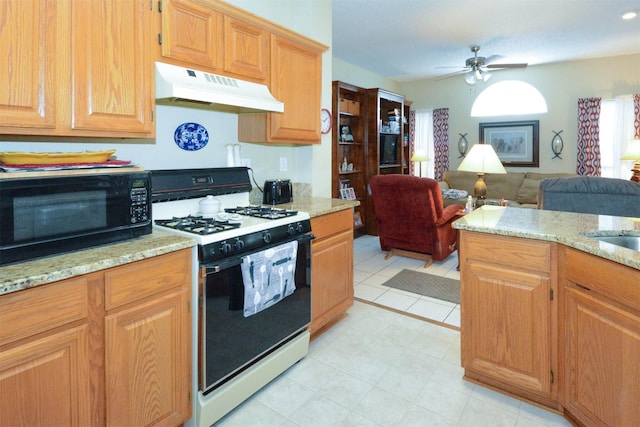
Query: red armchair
x=411 y=218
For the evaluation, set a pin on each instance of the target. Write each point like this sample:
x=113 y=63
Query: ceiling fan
x=476 y=68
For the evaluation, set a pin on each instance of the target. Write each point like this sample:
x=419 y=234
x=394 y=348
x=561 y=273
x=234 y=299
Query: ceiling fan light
x=470 y=77
x=486 y=76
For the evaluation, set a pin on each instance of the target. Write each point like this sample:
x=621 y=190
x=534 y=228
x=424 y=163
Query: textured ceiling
x=415 y=39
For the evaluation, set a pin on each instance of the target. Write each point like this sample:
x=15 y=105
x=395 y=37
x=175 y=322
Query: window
x=424 y=141
x=616 y=130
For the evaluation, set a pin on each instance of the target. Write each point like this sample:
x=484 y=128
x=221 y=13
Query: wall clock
x=325 y=121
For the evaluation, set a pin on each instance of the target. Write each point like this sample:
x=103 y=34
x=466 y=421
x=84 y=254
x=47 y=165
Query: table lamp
x=633 y=153
x=419 y=156
x=481 y=159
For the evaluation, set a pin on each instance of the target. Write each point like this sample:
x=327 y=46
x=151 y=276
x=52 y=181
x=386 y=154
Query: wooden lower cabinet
x=147 y=352
x=67 y=360
x=508 y=314
x=554 y=325
x=45 y=380
x=331 y=267
x=601 y=341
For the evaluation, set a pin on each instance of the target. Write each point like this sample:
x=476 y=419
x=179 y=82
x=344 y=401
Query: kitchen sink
x=629 y=242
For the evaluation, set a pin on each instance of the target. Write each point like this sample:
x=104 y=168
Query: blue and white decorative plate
x=191 y=136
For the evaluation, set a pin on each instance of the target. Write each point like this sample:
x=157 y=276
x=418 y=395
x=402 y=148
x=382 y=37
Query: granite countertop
x=569 y=229
x=24 y=275
x=317 y=206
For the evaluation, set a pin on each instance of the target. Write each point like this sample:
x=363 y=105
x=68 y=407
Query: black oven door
x=230 y=342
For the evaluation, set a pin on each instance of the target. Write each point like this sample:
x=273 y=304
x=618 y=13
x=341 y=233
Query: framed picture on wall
x=515 y=143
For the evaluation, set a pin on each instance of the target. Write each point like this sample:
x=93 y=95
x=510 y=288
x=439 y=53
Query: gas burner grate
x=262 y=212
x=197 y=224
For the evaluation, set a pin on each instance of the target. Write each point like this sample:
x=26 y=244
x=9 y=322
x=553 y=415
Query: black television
x=388 y=149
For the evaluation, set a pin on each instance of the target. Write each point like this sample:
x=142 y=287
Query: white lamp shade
x=482 y=158
x=633 y=150
x=419 y=156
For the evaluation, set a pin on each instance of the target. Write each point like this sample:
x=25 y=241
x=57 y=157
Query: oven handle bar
x=232 y=261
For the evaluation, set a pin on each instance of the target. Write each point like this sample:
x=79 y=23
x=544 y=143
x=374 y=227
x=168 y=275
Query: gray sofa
x=591 y=194
x=519 y=189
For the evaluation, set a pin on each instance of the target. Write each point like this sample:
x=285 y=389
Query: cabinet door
x=508 y=314
x=602 y=344
x=246 y=49
x=296 y=80
x=46 y=381
x=507 y=330
x=28 y=50
x=148 y=366
x=332 y=268
x=112 y=71
x=193 y=33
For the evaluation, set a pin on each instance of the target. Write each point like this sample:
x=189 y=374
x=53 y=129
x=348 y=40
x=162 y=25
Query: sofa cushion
x=503 y=186
x=528 y=192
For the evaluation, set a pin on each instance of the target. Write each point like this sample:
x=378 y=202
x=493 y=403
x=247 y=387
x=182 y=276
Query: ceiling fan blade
x=521 y=65
x=491 y=59
x=449 y=66
x=455 y=73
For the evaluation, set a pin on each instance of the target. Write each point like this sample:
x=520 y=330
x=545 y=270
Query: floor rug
x=426 y=284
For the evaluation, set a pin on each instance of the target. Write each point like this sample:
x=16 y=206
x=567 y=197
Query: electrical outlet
x=283 y=164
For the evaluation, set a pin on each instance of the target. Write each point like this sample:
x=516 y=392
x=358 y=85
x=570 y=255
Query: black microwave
x=43 y=216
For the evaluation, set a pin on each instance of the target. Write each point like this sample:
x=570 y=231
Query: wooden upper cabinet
x=192 y=33
x=112 y=72
x=27 y=76
x=246 y=49
x=296 y=80
x=82 y=68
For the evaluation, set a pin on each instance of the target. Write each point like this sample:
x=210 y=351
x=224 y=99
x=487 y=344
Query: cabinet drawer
x=524 y=253
x=326 y=225
x=26 y=313
x=141 y=279
x=613 y=280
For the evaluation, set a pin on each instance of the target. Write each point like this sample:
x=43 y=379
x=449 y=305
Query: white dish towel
x=268 y=277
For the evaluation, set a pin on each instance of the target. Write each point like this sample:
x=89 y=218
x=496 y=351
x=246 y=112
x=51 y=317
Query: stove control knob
x=299 y=228
x=225 y=248
x=266 y=237
x=238 y=244
x=291 y=231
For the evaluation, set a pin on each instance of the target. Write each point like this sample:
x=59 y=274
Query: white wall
x=357 y=76
x=308 y=164
x=561 y=84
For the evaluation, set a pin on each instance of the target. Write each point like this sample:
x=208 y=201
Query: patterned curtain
x=412 y=138
x=440 y=142
x=588 y=137
x=636 y=115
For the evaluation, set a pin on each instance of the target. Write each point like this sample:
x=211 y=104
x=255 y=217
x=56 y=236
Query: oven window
x=49 y=215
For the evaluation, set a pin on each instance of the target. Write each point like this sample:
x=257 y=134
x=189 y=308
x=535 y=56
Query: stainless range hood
x=188 y=87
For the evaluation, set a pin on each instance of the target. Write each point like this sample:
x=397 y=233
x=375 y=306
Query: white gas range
x=235 y=353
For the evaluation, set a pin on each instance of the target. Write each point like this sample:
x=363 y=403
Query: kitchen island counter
x=567 y=228
x=28 y=274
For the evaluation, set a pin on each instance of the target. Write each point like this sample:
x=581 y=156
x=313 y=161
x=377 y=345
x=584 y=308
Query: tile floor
x=379 y=367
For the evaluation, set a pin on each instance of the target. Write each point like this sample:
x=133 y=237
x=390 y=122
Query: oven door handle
x=217 y=266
